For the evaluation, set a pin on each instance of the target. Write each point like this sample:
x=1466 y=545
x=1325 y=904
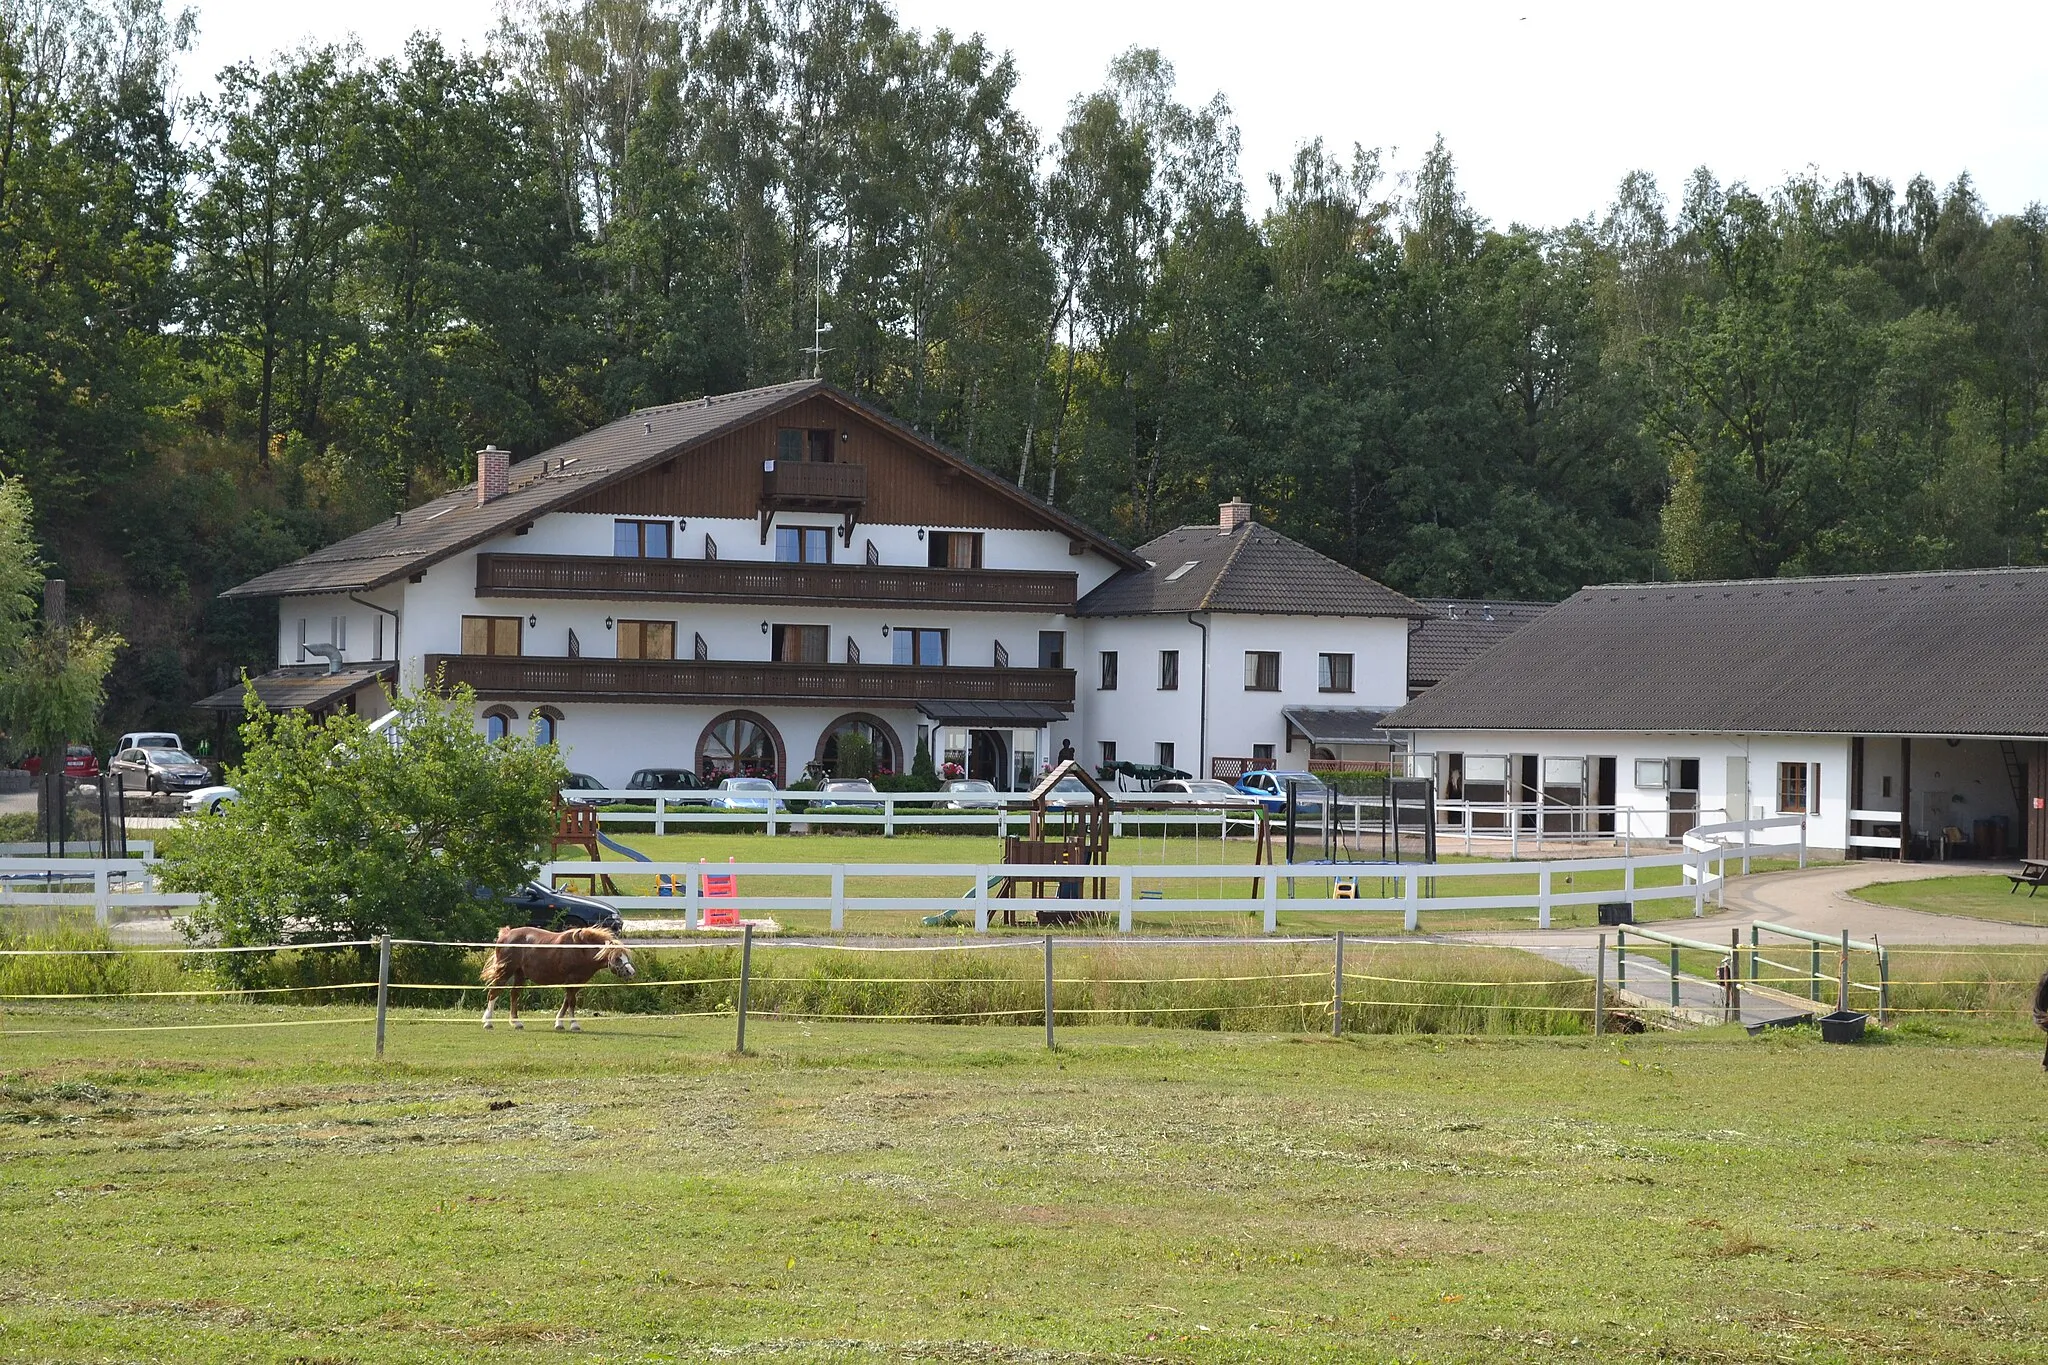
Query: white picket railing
x=127 y=884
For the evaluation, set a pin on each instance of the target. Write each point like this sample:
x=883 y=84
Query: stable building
x=1906 y=715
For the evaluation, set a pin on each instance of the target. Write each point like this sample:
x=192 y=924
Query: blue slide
x=953 y=916
x=617 y=847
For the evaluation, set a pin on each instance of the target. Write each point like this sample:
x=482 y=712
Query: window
x=879 y=736
x=1052 y=649
x=1261 y=670
x=1165 y=755
x=953 y=549
x=738 y=744
x=1262 y=754
x=1795 y=789
x=1564 y=772
x=803 y=544
x=1108 y=752
x=799 y=644
x=491 y=634
x=547 y=725
x=497 y=723
x=797 y=445
x=1650 y=773
x=1486 y=768
x=641 y=539
x=1108 y=671
x=925 y=648
x=1169 y=670
x=647 y=639
x=1333 y=672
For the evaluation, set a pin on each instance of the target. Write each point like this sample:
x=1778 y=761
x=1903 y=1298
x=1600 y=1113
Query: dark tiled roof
x=1253 y=569
x=1961 y=652
x=303 y=687
x=1459 y=631
x=1337 y=724
x=424 y=535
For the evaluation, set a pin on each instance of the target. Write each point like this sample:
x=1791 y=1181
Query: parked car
x=1203 y=789
x=160 y=770
x=1269 y=786
x=971 y=793
x=211 y=800
x=738 y=793
x=582 y=782
x=549 y=907
x=79 y=761
x=1069 y=791
x=149 y=739
x=845 y=793
x=669 y=781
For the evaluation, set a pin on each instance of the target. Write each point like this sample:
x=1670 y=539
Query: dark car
x=160 y=770
x=547 y=907
x=669 y=782
x=583 y=782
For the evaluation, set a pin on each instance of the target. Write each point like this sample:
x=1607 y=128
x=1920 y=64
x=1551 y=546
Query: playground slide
x=616 y=847
x=953 y=916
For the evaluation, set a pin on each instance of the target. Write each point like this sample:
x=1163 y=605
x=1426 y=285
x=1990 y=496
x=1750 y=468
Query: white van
x=149 y=739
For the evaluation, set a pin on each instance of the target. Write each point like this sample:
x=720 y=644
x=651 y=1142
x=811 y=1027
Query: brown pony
x=536 y=957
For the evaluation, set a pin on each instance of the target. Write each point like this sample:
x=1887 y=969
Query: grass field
x=890 y=1193
x=969 y=850
x=1976 y=897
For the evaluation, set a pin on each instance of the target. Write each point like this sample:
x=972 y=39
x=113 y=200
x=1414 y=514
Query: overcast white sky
x=1544 y=105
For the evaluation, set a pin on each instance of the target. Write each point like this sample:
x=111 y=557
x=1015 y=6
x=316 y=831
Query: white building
x=1893 y=709
x=730 y=584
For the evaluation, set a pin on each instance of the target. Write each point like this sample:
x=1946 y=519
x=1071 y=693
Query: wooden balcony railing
x=768 y=583
x=793 y=483
x=528 y=677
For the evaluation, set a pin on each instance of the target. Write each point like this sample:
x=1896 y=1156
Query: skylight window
x=1182 y=570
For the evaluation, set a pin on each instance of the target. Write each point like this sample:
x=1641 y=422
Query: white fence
x=126 y=886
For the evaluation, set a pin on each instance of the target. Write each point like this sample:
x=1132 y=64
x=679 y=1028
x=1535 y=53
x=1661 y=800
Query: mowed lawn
x=1979 y=897
x=887 y=1193
x=1183 y=895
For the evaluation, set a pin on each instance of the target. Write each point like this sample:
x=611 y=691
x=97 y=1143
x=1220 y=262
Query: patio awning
x=993 y=714
x=1337 y=724
x=306 y=688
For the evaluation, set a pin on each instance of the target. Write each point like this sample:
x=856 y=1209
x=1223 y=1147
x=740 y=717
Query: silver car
x=160 y=770
x=971 y=793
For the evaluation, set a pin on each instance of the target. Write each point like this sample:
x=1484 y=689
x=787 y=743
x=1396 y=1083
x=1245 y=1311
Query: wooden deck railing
x=768 y=582
x=681 y=680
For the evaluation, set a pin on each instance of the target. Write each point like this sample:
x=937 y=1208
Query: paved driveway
x=1817 y=899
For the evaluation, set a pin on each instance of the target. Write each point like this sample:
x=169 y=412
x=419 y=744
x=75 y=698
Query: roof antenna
x=817 y=349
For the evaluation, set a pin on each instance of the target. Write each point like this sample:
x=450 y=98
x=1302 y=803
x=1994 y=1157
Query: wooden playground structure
x=1066 y=832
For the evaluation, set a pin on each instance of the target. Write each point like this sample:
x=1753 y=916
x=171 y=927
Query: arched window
x=739 y=744
x=547 y=722
x=889 y=756
x=498 y=722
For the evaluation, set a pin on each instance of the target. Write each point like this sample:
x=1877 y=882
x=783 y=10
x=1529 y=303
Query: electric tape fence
x=1518 y=988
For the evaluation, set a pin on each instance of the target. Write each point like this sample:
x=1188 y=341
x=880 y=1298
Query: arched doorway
x=878 y=732
x=739 y=744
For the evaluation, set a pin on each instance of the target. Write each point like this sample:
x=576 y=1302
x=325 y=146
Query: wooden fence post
x=1337 y=991
x=1600 y=988
x=746 y=974
x=383 y=986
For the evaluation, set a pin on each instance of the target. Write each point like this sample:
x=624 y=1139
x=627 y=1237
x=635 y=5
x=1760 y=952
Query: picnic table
x=2033 y=874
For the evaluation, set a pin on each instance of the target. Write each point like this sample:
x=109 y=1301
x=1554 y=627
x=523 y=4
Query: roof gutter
x=1202 y=730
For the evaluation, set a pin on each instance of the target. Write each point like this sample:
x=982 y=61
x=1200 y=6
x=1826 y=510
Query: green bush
x=854 y=755
x=922 y=770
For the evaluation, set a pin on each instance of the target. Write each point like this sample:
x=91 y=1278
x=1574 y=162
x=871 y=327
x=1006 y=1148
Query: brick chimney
x=493 y=473
x=1233 y=514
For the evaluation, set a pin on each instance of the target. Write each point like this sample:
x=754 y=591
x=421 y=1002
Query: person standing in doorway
x=1066 y=751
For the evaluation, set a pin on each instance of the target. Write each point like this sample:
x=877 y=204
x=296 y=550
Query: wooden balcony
x=531 y=678
x=771 y=584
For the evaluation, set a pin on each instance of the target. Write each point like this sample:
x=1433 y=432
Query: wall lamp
x=607 y=623
x=533 y=620
x=885 y=632
x=764 y=627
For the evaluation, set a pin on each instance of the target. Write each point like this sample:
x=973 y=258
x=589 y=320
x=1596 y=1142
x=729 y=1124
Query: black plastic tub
x=1843 y=1026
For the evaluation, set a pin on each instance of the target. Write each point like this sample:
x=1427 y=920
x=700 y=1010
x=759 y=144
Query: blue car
x=1269 y=788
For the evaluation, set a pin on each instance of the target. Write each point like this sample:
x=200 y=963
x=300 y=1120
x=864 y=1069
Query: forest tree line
x=238 y=326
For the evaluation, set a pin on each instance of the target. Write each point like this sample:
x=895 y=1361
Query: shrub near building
x=346 y=833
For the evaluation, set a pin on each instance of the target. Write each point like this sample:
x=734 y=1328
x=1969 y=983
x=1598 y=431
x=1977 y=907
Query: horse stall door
x=1605 y=792
x=1684 y=796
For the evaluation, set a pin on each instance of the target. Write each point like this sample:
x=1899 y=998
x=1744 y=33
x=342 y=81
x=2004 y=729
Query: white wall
x=1649 y=807
x=1137 y=716
x=331 y=615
